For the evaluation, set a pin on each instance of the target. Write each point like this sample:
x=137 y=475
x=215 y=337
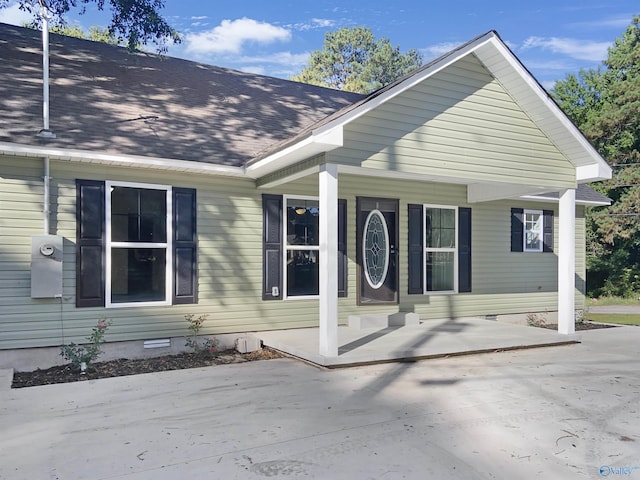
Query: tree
x=96 y=33
x=133 y=22
x=605 y=105
x=352 y=59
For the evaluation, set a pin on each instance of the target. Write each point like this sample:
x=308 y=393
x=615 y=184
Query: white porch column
x=328 y=262
x=567 y=262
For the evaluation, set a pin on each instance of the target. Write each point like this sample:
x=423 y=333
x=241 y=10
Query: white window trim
x=524 y=230
x=168 y=245
x=287 y=247
x=443 y=250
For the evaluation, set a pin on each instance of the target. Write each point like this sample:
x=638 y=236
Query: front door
x=377 y=252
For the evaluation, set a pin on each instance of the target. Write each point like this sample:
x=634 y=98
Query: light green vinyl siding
x=229 y=260
x=459 y=123
x=230 y=257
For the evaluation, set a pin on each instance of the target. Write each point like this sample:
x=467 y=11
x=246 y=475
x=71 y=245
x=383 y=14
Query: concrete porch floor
x=429 y=339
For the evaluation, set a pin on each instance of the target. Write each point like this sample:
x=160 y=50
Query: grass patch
x=617 y=318
x=607 y=301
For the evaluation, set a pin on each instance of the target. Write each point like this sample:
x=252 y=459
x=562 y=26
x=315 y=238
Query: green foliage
x=618 y=318
x=352 y=59
x=199 y=345
x=133 y=22
x=605 y=105
x=87 y=353
x=96 y=33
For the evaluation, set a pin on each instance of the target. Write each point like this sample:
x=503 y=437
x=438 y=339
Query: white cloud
x=579 y=49
x=313 y=24
x=619 y=23
x=279 y=58
x=434 y=51
x=14 y=16
x=231 y=35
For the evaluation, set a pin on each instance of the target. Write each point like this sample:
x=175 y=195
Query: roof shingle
x=107 y=99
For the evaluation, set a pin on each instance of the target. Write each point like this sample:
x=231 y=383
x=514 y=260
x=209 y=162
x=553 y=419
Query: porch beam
x=328 y=261
x=486 y=192
x=567 y=262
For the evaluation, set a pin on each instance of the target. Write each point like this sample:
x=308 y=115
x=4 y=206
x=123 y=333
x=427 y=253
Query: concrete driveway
x=558 y=412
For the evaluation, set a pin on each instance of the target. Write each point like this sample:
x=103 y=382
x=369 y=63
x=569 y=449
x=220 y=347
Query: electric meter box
x=46 y=266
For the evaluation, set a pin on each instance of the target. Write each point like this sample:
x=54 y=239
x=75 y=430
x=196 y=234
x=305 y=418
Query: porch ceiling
x=476 y=192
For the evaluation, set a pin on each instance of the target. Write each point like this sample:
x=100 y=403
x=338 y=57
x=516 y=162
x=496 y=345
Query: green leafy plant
x=81 y=356
x=199 y=345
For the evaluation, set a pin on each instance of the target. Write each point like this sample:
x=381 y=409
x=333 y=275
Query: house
x=164 y=187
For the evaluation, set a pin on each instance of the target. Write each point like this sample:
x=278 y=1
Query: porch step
x=398 y=319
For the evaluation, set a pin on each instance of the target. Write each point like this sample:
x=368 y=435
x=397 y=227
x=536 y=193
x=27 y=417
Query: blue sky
x=552 y=38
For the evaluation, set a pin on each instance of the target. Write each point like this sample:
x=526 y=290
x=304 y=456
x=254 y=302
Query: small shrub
x=81 y=356
x=199 y=345
x=536 y=320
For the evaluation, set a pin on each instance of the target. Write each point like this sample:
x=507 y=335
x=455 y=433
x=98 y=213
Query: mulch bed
x=121 y=367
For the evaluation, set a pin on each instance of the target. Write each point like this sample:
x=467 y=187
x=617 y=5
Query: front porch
x=428 y=339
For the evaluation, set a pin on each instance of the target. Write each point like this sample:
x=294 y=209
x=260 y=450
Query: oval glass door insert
x=375 y=248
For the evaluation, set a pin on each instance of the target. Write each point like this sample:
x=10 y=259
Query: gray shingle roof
x=104 y=98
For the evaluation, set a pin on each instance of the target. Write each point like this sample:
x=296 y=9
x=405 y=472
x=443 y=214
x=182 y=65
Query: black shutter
x=342 y=248
x=90 y=243
x=464 y=249
x=271 y=246
x=416 y=250
x=547 y=229
x=517 y=229
x=185 y=241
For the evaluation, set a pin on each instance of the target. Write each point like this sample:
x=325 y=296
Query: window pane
x=533 y=230
x=138 y=275
x=375 y=249
x=441 y=227
x=432 y=221
x=533 y=241
x=440 y=271
x=302 y=272
x=302 y=222
x=447 y=218
x=138 y=215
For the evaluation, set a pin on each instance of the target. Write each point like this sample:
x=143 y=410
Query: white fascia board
x=593 y=173
x=586 y=203
x=137 y=161
x=315 y=144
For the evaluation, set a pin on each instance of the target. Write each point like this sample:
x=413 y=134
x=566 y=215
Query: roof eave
x=104 y=158
x=317 y=143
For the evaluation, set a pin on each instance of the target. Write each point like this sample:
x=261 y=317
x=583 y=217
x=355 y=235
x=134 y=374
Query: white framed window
x=138 y=244
x=441 y=249
x=301 y=247
x=533 y=230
